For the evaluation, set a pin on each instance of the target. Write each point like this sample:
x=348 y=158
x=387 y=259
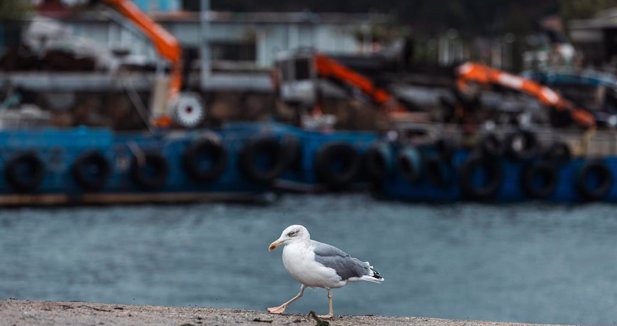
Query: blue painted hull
x=510 y=188
x=59 y=150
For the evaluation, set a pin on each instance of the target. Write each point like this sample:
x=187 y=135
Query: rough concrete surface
x=19 y=312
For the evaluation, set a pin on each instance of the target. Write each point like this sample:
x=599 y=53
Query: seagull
x=316 y=264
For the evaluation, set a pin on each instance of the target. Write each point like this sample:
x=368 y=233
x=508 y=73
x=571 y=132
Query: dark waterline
x=525 y=263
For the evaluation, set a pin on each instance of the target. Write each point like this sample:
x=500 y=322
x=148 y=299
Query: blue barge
x=86 y=165
x=241 y=161
x=496 y=170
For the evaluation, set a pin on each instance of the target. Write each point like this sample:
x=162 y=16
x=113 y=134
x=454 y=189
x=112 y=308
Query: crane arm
x=475 y=72
x=330 y=68
x=165 y=44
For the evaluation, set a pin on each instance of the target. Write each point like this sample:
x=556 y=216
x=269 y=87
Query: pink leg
x=330 y=315
x=281 y=309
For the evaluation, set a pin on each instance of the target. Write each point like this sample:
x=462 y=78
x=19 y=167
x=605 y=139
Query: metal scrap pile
x=46 y=45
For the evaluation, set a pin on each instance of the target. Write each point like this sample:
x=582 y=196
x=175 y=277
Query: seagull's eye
x=292 y=233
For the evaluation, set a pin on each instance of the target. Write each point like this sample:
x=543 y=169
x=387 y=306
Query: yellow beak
x=275 y=244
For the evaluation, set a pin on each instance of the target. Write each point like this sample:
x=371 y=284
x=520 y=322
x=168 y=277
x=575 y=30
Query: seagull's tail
x=372 y=276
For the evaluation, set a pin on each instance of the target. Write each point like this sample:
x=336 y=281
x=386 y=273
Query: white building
x=250 y=38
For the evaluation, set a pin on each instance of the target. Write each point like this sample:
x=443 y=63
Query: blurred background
x=150 y=150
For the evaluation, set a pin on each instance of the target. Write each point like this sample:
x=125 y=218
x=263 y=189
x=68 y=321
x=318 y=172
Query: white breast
x=299 y=261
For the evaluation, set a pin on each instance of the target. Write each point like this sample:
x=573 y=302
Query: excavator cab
x=295 y=78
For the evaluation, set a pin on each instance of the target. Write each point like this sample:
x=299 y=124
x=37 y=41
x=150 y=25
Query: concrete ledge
x=19 y=312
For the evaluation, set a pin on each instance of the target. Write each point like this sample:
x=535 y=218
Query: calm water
x=527 y=263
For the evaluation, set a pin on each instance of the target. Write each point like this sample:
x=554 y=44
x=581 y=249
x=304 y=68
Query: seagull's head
x=291 y=234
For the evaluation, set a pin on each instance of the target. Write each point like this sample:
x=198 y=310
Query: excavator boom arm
x=327 y=67
x=475 y=72
x=164 y=43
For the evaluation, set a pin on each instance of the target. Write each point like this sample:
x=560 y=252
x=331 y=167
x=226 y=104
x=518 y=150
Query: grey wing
x=344 y=265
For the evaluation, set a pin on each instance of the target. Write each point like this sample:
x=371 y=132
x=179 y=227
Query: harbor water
x=526 y=263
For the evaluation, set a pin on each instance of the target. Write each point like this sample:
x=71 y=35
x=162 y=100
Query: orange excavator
x=471 y=72
x=296 y=73
x=186 y=107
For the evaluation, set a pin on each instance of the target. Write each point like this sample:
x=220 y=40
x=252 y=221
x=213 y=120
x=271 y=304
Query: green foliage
x=14 y=9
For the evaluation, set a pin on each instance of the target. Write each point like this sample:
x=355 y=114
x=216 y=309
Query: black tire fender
x=438 y=171
x=252 y=150
x=85 y=164
x=212 y=150
x=601 y=172
x=152 y=173
x=378 y=161
x=543 y=171
x=409 y=163
x=337 y=153
x=494 y=174
x=24 y=172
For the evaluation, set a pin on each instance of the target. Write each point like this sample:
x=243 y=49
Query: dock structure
x=258 y=82
x=18 y=312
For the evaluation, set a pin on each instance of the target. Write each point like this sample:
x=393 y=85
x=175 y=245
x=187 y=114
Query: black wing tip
x=376 y=275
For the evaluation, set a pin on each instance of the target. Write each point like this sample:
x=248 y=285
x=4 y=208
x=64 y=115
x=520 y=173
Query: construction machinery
x=471 y=73
x=185 y=107
x=297 y=77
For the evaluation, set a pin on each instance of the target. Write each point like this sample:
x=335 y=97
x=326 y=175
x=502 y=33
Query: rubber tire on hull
x=409 y=162
x=209 y=148
x=547 y=172
x=494 y=173
x=83 y=163
x=34 y=166
x=331 y=153
x=378 y=162
x=603 y=174
x=248 y=159
x=438 y=171
x=159 y=165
